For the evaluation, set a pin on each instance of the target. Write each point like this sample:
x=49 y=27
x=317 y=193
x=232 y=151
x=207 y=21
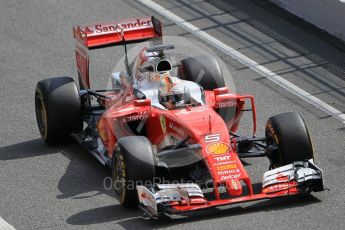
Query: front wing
x=296 y=178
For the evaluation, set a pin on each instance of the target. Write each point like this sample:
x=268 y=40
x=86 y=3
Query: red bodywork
x=197 y=122
x=202 y=123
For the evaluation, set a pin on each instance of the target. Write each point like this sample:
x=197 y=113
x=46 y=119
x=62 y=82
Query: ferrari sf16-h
x=153 y=128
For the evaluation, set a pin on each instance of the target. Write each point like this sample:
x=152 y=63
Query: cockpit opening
x=163 y=65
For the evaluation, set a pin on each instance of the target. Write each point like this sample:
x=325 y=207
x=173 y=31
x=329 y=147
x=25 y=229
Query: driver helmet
x=172 y=93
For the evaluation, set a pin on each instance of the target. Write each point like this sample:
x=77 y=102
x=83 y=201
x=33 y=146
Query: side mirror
x=220 y=91
x=228 y=107
x=226 y=100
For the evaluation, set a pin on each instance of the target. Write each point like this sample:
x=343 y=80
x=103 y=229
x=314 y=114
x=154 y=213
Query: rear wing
x=113 y=33
x=110 y=34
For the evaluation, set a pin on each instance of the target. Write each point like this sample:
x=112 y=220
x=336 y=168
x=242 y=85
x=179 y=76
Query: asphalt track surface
x=62 y=187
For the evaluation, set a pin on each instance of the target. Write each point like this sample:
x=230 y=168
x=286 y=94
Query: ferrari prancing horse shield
x=163 y=124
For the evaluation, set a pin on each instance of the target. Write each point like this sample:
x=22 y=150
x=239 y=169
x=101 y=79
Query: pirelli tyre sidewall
x=290 y=134
x=58 y=109
x=133 y=163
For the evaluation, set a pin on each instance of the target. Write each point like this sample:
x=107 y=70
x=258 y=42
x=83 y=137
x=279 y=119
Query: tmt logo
x=224 y=158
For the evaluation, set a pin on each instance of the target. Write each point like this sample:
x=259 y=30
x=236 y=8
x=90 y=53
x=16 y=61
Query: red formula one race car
x=170 y=139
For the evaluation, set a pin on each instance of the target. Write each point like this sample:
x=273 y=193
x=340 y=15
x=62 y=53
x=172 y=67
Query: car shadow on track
x=111 y=213
x=83 y=174
x=83 y=177
x=26 y=149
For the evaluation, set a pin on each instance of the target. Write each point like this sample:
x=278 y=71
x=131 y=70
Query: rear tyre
x=133 y=163
x=57 y=106
x=204 y=70
x=288 y=139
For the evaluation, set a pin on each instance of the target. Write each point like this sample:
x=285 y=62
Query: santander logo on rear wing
x=101 y=34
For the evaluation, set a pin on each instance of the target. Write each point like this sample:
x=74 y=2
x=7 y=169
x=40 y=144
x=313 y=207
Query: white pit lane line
x=268 y=74
x=4 y=225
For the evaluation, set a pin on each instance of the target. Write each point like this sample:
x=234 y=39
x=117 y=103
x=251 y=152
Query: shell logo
x=218 y=148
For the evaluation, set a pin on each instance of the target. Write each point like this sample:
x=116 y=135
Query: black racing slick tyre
x=58 y=109
x=133 y=163
x=204 y=70
x=288 y=139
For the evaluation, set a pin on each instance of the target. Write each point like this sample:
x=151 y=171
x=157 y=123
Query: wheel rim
x=275 y=157
x=41 y=114
x=119 y=181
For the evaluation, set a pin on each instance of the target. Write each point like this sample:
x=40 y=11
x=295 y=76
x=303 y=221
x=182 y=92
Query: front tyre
x=133 y=162
x=288 y=139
